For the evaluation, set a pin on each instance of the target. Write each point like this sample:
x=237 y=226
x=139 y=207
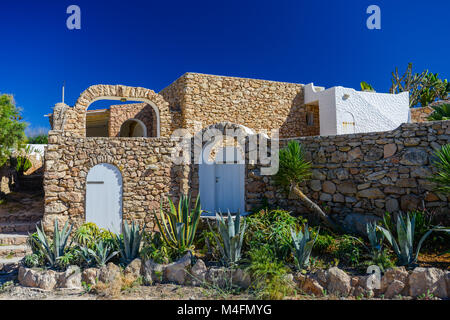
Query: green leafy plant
x=293 y=170
x=52 y=250
x=366 y=87
x=39 y=139
x=156 y=249
x=32 y=260
x=404 y=246
x=23 y=165
x=98 y=256
x=232 y=235
x=179 y=225
x=442 y=176
x=269 y=274
x=441 y=112
x=12 y=134
x=129 y=242
x=375 y=237
x=349 y=250
x=88 y=234
x=302 y=244
x=272 y=227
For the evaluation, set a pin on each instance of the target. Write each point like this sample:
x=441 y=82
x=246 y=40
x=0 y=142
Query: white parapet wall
x=345 y=110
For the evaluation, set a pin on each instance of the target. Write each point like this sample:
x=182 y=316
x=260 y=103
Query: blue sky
x=151 y=43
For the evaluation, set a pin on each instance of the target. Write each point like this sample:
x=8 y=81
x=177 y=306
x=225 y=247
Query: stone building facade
x=359 y=173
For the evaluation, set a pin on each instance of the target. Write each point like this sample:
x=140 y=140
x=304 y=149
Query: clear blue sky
x=151 y=43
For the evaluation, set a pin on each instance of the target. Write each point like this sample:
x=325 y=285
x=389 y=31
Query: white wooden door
x=348 y=123
x=104 y=197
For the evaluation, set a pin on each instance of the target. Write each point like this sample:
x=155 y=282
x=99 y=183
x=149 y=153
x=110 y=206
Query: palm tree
x=442 y=164
x=294 y=169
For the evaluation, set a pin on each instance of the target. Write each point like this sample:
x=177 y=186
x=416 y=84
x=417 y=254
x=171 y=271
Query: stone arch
x=142 y=126
x=76 y=117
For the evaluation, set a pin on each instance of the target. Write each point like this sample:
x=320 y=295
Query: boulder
x=395 y=288
x=152 y=272
x=339 y=282
x=90 y=276
x=424 y=280
x=322 y=277
x=241 y=278
x=312 y=286
x=398 y=273
x=133 y=270
x=43 y=279
x=176 y=271
x=109 y=273
x=198 y=273
x=71 y=278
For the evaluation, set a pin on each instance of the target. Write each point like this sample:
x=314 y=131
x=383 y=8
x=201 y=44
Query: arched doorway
x=348 y=123
x=222 y=181
x=133 y=128
x=104 y=197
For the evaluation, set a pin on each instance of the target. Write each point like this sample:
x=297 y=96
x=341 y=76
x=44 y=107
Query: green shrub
x=272 y=227
x=39 y=139
x=269 y=274
x=33 y=260
x=88 y=234
x=349 y=250
x=23 y=164
x=442 y=163
x=156 y=249
x=206 y=245
x=324 y=243
x=129 y=242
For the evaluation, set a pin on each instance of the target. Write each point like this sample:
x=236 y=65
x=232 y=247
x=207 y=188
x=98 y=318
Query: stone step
x=12 y=251
x=8 y=227
x=13 y=238
x=9 y=265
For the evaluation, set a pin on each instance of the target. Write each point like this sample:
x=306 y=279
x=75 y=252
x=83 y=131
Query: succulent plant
x=232 y=235
x=302 y=244
x=98 y=256
x=129 y=242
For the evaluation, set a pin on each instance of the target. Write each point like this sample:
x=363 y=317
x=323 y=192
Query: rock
x=329 y=187
x=409 y=202
x=43 y=279
x=109 y=273
x=312 y=286
x=369 y=282
x=176 y=271
x=152 y=272
x=220 y=277
x=90 y=276
x=414 y=157
x=339 y=282
x=389 y=150
x=354 y=154
x=316 y=185
x=242 y=279
x=372 y=193
x=347 y=188
x=322 y=277
x=424 y=280
x=395 y=288
x=392 y=205
x=398 y=273
x=71 y=278
x=198 y=272
x=133 y=270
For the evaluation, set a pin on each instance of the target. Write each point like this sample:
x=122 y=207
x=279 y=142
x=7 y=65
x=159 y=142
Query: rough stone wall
x=421 y=114
x=364 y=173
x=145 y=165
x=141 y=111
x=174 y=95
x=256 y=104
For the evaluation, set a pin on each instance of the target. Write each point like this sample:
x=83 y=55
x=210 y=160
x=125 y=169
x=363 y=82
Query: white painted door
x=104 y=197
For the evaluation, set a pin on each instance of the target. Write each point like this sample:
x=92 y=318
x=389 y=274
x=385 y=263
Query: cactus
x=232 y=235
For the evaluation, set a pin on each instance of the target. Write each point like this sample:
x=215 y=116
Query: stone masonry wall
x=364 y=173
x=256 y=104
x=145 y=165
x=141 y=111
x=421 y=114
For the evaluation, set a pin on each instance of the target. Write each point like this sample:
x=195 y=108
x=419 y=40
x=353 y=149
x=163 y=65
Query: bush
x=272 y=228
x=155 y=248
x=269 y=274
x=348 y=250
x=39 y=139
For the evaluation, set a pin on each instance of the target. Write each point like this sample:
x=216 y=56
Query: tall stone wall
x=256 y=104
x=364 y=173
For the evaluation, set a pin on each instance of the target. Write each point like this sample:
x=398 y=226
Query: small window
x=310 y=118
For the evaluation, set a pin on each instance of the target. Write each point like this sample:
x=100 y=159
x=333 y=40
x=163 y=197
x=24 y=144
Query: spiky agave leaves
x=302 y=246
x=232 y=234
x=442 y=164
x=130 y=242
x=179 y=225
x=375 y=238
x=52 y=250
x=101 y=253
x=404 y=246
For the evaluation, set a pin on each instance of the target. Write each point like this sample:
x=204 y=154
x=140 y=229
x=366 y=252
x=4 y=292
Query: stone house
x=113 y=164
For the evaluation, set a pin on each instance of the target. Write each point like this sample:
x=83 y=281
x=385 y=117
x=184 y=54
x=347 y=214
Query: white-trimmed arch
x=139 y=122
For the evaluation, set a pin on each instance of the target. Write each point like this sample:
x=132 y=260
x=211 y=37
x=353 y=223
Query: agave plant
x=302 y=244
x=375 y=237
x=52 y=250
x=232 y=235
x=404 y=247
x=129 y=242
x=178 y=227
x=98 y=256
